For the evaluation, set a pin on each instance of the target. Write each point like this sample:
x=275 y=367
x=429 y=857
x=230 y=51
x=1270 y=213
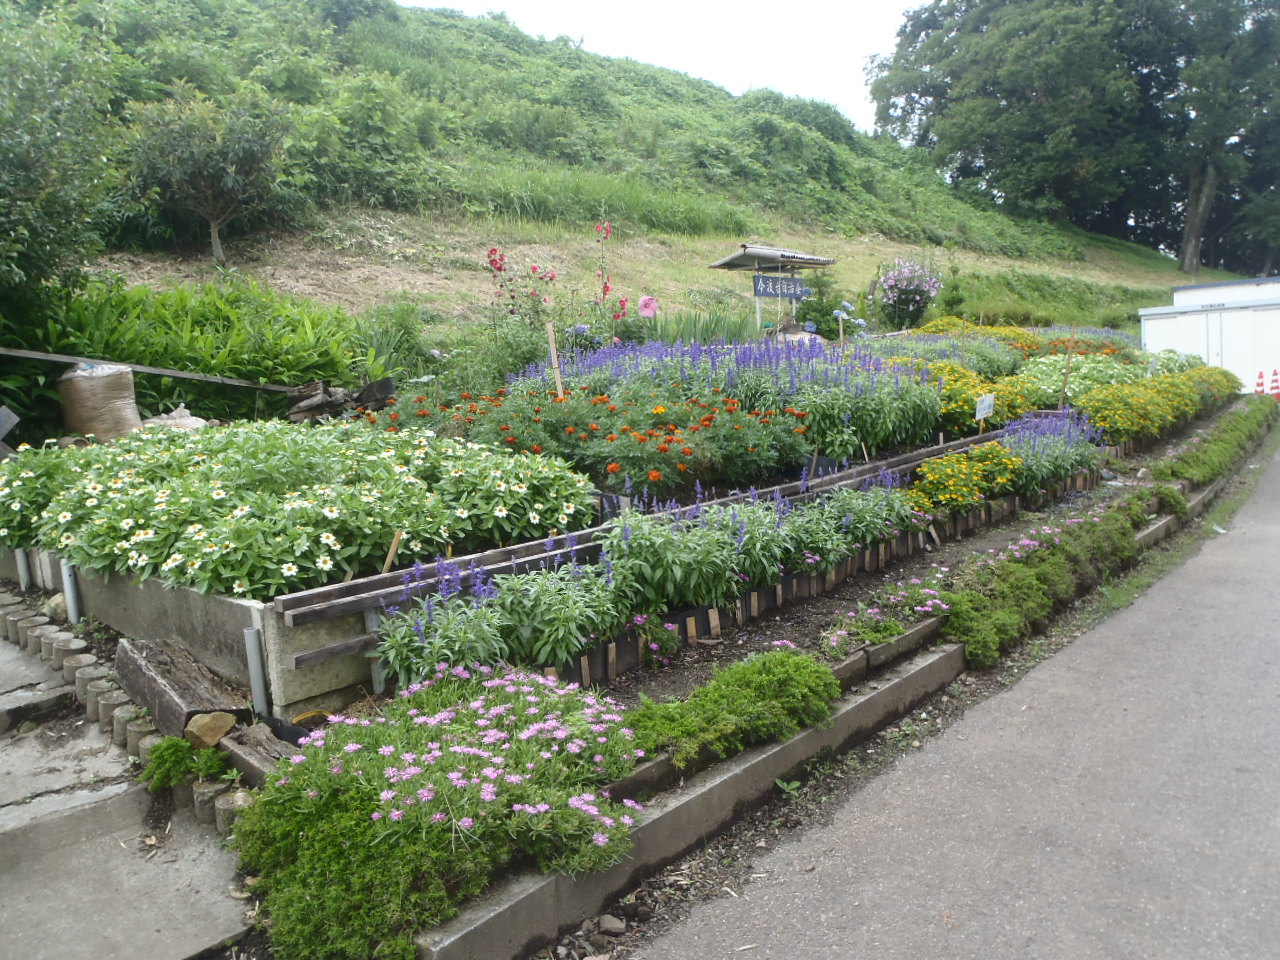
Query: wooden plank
x=491 y=561
x=611 y=670
x=141 y=368
x=332 y=651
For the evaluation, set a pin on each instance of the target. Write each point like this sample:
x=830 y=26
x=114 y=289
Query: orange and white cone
x=1275 y=384
x=1260 y=388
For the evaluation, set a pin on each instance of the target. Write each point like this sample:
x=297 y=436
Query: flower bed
x=253 y=510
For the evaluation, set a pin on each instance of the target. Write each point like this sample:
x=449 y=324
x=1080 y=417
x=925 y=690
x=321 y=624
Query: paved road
x=1121 y=801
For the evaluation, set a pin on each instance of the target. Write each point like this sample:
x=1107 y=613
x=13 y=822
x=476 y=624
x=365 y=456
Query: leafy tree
x=1127 y=116
x=54 y=140
x=216 y=160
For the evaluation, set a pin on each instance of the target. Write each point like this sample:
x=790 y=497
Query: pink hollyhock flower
x=648 y=307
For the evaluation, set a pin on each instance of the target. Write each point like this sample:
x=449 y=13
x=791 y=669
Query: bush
x=768 y=696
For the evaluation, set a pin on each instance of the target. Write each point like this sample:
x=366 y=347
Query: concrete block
x=209 y=627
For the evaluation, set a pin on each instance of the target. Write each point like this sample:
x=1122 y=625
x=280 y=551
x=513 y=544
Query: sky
x=820 y=52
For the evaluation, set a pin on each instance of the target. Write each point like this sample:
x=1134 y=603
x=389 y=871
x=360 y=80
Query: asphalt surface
x=1120 y=801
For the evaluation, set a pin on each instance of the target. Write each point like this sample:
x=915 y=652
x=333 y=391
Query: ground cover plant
x=418 y=805
x=768 y=696
x=257 y=509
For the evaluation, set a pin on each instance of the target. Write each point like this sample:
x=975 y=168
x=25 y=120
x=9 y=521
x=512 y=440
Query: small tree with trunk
x=217 y=160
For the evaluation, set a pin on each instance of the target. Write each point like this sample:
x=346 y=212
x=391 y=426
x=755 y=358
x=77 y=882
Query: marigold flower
x=613 y=467
x=655 y=476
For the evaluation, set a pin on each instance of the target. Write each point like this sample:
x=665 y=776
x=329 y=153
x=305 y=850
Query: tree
x=1126 y=116
x=216 y=160
x=54 y=134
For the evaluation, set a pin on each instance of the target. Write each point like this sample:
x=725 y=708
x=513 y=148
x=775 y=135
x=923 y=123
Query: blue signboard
x=792 y=288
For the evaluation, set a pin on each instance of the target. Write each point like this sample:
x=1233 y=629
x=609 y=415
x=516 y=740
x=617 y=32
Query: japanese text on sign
x=792 y=288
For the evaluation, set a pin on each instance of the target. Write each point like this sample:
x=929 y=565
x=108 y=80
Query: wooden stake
x=555 y=358
x=391 y=554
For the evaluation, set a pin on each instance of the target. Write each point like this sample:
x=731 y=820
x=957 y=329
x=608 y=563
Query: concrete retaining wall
x=211 y=628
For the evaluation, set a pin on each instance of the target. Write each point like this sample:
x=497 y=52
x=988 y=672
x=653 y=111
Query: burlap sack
x=98 y=399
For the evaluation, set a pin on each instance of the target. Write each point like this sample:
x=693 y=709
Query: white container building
x=1234 y=325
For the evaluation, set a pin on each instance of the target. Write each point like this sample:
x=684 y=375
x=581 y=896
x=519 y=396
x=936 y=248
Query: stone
x=27 y=726
x=1144 y=474
x=206 y=729
x=24 y=632
x=73 y=663
x=611 y=926
x=121 y=717
x=86 y=676
x=55 y=608
x=135 y=730
x=203 y=795
x=93 y=691
x=146 y=745
x=108 y=703
x=227 y=808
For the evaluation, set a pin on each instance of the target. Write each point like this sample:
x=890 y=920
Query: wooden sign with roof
x=776 y=273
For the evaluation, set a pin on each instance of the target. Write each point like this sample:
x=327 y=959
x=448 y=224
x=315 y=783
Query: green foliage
x=174 y=761
x=412 y=838
x=236 y=329
x=54 y=140
x=768 y=696
x=1210 y=452
x=1180 y=93
x=665 y=565
x=213 y=159
x=259 y=509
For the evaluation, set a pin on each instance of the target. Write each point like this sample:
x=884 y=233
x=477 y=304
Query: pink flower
x=648 y=307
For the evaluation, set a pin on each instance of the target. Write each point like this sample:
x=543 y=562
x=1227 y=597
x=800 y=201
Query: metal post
x=257 y=675
x=24 y=570
x=372 y=621
x=70 y=591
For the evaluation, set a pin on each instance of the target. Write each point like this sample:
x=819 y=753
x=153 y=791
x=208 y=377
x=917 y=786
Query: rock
x=611 y=926
x=55 y=608
x=1106 y=474
x=1144 y=474
x=644 y=912
x=206 y=729
x=26 y=726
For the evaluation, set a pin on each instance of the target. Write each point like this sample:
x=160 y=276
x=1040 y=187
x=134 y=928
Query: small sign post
x=986 y=407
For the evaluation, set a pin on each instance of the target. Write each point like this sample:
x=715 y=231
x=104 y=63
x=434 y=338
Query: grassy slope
x=360 y=259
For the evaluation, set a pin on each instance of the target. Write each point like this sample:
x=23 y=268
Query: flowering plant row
x=649 y=564
x=1147 y=408
x=708 y=556
x=416 y=807
x=256 y=509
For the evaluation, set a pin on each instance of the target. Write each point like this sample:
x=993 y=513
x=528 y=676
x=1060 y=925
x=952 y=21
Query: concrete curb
x=530 y=909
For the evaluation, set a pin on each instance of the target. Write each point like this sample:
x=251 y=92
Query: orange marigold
x=614 y=467
x=655 y=476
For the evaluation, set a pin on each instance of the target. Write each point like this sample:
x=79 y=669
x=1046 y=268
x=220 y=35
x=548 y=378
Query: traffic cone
x=1275 y=384
x=1259 y=387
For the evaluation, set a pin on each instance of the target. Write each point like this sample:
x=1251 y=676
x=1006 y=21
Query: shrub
x=768 y=696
